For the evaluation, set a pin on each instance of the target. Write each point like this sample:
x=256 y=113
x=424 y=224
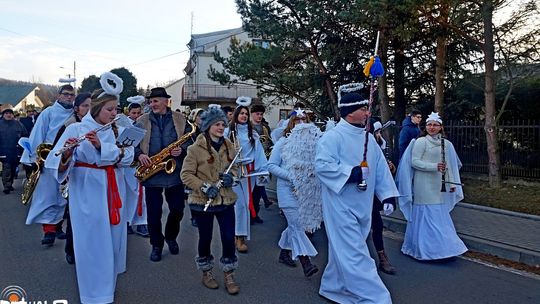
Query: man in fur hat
x=350 y=275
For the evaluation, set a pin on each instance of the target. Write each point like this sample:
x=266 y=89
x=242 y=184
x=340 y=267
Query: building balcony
x=202 y=93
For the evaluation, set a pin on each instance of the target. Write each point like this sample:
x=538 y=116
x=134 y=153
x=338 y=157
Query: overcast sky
x=38 y=37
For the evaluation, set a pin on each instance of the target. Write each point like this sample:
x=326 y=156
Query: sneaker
x=142 y=230
x=61 y=235
x=48 y=239
x=155 y=256
x=173 y=247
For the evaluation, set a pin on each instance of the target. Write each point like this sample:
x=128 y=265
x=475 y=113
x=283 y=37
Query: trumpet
x=80 y=139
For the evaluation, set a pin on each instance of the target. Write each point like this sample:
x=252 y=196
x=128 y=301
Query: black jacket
x=10 y=132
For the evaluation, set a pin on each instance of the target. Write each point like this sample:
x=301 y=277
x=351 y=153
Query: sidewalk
x=510 y=235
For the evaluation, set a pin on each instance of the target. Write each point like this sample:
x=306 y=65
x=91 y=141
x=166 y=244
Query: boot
x=309 y=269
x=384 y=263
x=241 y=245
x=230 y=284
x=209 y=280
x=285 y=258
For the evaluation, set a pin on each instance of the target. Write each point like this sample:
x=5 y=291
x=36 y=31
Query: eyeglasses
x=418 y=116
x=67 y=94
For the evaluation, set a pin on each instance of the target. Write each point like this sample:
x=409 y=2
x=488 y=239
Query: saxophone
x=30 y=184
x=162 y=160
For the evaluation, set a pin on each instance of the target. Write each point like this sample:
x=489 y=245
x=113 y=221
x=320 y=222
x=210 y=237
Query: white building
x=199 y=91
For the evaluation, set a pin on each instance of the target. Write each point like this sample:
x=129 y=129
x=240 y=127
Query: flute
x=443 y=160
x=80 y=139
x=220 y=182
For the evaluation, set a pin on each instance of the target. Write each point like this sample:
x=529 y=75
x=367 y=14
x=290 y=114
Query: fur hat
x=210 y=117
x=351 y=98
x=257 y=108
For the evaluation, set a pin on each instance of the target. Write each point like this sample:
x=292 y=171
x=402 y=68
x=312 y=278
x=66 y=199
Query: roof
x=13 y=94
x=199 y=42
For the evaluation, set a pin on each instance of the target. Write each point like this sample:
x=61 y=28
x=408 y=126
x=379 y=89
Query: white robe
x=430 y=232
x=100 y=248
x=250 y=154
x=47 y=204
x=351 y=275
x=132 y=198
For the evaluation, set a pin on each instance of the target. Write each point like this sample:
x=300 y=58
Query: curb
x=478 y=244
x=500 y=211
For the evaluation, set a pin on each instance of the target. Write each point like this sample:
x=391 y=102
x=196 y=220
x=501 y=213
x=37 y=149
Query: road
x=45 y=276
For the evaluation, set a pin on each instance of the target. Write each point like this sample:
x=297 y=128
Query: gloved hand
x=389 y=205
x=210 y=191
x=227 y=179
x=356 y=175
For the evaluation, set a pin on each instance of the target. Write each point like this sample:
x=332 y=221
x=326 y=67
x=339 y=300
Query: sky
x=41 y=40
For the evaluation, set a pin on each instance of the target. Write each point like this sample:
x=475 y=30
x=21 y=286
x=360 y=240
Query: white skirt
x=430 y=235
x=294 y=238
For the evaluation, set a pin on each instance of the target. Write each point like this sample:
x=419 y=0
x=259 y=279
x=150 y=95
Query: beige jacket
x=196 y=170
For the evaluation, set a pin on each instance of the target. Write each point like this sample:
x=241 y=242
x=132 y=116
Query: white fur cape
x=298 y=154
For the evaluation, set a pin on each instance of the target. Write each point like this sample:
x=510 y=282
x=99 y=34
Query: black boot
x=309 y=269
x=285 y=258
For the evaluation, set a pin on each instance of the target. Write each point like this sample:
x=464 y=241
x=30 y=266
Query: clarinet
x=443 y=160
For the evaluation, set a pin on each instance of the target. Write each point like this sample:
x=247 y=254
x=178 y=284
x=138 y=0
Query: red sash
x=113 y=195
x=139 y=200
x=250 y=167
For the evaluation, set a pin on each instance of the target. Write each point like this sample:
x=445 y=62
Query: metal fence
x=519 y=146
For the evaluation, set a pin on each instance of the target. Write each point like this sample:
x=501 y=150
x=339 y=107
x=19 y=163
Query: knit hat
x=210 y=117
x=377 y=126
x=350 y=98
x=434 y=116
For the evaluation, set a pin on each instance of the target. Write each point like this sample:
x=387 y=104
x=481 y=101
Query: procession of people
x=219 y=161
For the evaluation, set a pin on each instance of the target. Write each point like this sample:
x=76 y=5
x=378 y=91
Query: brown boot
x=384 y=263
x=208 y=280
x=241 y=245
x=230 y=284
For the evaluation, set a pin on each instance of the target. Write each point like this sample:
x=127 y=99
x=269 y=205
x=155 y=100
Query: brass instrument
x=242 y=170
x=266 y=142
x=29 y=185
x=163 y=160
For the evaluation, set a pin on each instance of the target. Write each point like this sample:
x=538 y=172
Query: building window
x=284 y=113
x=265 y=44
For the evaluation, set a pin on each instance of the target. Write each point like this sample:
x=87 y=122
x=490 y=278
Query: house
x=175 y=90
x=19 y=96
x=199 y=91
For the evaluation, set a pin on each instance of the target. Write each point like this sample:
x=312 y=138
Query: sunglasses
x=68 y=94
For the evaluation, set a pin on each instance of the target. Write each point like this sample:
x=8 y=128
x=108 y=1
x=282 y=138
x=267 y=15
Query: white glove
x=388 y=209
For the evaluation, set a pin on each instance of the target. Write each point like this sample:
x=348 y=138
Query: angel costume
x=48 y=206
x=430 y=232
x=298 y=189
x=94 y=175
x=351 y=275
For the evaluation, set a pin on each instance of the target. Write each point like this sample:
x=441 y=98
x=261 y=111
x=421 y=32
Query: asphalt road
x=45 y=276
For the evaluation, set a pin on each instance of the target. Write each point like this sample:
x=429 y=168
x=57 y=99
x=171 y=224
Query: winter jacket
x=409 y=131
x=10 y=132
x=196 y=171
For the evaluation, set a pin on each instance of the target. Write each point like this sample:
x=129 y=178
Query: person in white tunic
x=135 y=199
x=298 y=190
x=96 y=191
x=351 y=275
x=430 y=232
x=47 y=207
x=251 y=160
